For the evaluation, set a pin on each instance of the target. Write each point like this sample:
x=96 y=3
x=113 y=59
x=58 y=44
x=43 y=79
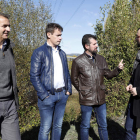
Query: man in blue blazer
x=50 y=77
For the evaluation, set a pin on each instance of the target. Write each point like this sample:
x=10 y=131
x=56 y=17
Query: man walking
x=8 y=88
x=50 y=77
x=133 y=109
x=87 y=75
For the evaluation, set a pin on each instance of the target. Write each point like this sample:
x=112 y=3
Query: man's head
x=4 y=26
x=138 y=37
x=53 y=33
x=89 y=43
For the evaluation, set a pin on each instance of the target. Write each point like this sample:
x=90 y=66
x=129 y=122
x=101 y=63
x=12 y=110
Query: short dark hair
x=85 y=39
x=51 y=27
x=4 y=15
x=138 y=29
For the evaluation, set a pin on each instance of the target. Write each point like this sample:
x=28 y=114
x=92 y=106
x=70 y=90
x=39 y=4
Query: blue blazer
x=42 y=71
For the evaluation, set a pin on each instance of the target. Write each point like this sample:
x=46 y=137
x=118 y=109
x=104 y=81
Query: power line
x=74 y=13
x=59 y=8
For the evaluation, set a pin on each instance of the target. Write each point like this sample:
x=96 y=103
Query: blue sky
x=81 y=22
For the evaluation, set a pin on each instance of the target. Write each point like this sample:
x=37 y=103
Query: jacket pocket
x=84 y=90
x=103 y=89
x=85 y=93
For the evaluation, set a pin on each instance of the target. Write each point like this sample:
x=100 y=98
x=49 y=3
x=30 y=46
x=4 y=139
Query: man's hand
x=133 y=91
x=121 y=65
x=67 y=93
x=129 y=87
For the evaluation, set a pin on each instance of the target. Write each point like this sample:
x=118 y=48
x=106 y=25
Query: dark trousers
x=130 y=124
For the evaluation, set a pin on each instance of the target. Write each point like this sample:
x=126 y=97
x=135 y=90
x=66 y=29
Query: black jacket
x=135 y=81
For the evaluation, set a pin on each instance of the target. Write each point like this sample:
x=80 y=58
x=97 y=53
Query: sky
x=77 y=18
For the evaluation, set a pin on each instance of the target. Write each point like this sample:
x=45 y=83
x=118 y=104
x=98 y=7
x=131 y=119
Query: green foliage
x=72 y=111
x=69 y=64
x=116 y=39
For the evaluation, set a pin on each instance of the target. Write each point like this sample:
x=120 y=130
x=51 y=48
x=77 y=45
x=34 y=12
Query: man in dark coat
x=133 y=110
x=9 y=123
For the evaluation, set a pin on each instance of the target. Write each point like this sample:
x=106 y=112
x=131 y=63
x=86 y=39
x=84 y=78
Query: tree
x=116 y=37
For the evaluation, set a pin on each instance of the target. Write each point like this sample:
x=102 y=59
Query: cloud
x=90 y=13
x=95 y=14
x=76 y=25
x=90 y=24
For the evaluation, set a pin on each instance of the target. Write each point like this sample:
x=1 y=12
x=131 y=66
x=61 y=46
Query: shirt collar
x=57 y=48
x=4 y=44
x=90 y=57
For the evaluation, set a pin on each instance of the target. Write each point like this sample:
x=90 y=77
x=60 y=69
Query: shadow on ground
x=65 y=128
x=33 y=133
x=30 y=135
x=115 y=131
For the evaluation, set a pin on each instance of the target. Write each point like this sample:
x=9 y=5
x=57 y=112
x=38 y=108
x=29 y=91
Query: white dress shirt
x=58 y=69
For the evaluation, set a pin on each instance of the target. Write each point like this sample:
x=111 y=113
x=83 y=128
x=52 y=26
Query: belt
x=59 y=89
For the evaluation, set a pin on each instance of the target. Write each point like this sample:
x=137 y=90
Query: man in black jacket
x=8 y=88
x=133 y=110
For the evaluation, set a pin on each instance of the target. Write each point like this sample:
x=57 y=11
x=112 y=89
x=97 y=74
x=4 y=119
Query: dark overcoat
x=135 y=81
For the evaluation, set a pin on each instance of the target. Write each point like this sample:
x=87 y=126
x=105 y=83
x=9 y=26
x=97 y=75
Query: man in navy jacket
x=50 y=77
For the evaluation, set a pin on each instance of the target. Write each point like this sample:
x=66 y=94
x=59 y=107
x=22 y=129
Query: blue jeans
x=100 y=113
x=51 y=112
x=130 y=124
